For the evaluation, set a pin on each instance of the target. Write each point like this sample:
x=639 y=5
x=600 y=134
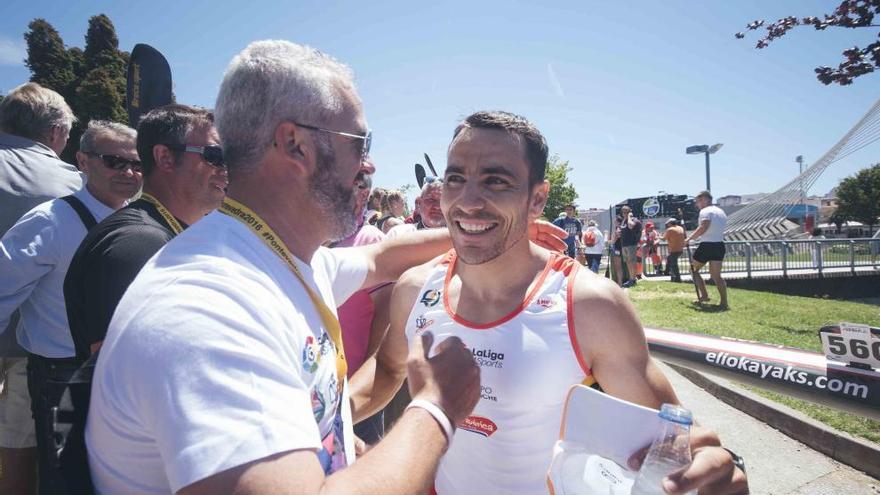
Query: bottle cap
x=676 y=414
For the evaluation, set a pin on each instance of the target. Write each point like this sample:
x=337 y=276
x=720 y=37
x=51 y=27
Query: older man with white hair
x=35 y=254
x=235 y=317
x=34 y=126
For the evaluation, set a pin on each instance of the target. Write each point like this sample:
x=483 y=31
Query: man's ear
x=293 y=145
x=163 y=157
x=538 y=199
x=81 y=162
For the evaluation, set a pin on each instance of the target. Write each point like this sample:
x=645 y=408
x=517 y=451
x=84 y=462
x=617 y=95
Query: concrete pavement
x=777 y=464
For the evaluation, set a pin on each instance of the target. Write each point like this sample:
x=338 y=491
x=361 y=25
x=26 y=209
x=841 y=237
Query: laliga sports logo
x=651 y=207
x=488 y=358
x=430 y=298
x=479 y=425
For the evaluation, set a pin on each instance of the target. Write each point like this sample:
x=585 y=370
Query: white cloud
x=554 y=81
x=12 y=52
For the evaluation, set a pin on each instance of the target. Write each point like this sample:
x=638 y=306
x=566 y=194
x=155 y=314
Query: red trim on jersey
x=572 y=334
x=433 y=490
x=552 y=263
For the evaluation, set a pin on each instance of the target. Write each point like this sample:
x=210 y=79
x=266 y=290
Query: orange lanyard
x=262 y=230
x=169 y=218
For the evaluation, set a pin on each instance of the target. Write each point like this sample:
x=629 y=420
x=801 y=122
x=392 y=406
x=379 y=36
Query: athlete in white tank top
x=528 y=362
x=541 y=322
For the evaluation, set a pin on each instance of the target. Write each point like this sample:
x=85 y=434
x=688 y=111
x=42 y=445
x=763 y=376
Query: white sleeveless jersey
x=528 y=361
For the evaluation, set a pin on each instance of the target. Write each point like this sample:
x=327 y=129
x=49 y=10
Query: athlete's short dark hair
x=535 y=144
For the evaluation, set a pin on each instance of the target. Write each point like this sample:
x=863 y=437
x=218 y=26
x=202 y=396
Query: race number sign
x=852 y=343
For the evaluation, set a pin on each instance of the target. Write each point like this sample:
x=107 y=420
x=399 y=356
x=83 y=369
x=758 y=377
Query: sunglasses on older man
x=212 y=154
x=114 y=162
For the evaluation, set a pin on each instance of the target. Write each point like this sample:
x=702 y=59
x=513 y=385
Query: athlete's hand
x=450 y=378
x=711 y=471
x=548 y=236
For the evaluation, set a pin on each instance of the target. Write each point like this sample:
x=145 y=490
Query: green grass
x=764 y=317
x=761 y=316
x=853 y=424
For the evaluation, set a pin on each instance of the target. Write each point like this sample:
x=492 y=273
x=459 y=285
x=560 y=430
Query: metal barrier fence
x=786 y=257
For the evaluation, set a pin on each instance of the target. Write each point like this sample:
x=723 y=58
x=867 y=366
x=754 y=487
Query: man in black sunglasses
x=184 y=179
x=34 y=258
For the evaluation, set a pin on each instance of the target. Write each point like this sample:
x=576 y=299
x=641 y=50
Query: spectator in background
x=35 y=123
x=594 y=245
x=815 y=249
x=875 y=248
x=571 y=224
x=711 y=250
x=630 y=234
x=616 y=255
x=674 y=237
x=374 y=206
x=364 y=316
x=34 y=257
x=649 y=249
x=430 y=215
x=393 y=209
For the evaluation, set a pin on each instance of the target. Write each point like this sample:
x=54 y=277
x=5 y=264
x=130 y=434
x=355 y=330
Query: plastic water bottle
x=670 y=451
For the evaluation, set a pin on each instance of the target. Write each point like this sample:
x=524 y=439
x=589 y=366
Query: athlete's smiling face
x=487 y=200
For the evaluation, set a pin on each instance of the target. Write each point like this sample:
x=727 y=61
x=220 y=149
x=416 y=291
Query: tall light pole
x=800 y=161
x=708 y=150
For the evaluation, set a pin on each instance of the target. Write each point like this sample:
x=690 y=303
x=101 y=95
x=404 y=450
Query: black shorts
x=710 y=251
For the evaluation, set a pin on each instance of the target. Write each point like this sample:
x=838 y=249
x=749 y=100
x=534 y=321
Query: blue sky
x=619 y=90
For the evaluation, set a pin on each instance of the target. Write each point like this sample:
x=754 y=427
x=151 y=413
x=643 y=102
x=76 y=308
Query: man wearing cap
x=571 y=224
x=674 y=237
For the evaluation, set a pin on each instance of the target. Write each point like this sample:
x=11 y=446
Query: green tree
x=91 y=80
x=101 y=94
x=858 y=197
x=48 y=58
x=561 y=191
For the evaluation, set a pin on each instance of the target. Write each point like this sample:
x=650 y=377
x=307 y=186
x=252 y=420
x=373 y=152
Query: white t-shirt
x=216 y=357
x=599 y=247
x=717 y=222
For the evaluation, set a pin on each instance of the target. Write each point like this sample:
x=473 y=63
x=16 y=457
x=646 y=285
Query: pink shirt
x=356 y=314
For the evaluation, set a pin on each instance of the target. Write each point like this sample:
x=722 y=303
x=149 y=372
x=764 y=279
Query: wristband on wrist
x=438 y=414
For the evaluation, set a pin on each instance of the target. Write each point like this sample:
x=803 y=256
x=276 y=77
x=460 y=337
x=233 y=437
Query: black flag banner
x=149 y=82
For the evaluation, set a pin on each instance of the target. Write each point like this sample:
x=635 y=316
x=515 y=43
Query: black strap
x=84 y=214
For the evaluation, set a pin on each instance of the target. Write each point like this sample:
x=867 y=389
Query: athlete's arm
x=376 y=382
x=387 y=260
x=381 y=298
x=404 y=462
x=612 y=341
